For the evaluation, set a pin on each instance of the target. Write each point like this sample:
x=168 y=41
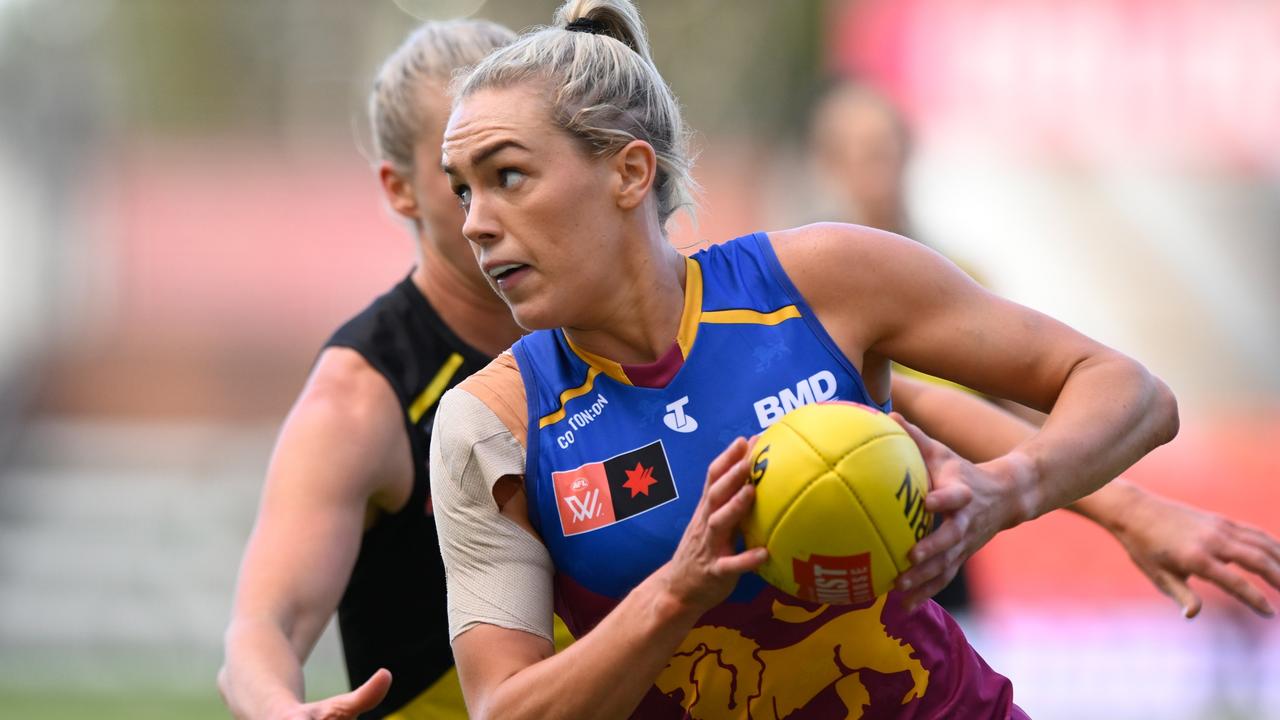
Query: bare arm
x=1169 y=542
x=513 y=673
x=341 y=455
x=884 y=297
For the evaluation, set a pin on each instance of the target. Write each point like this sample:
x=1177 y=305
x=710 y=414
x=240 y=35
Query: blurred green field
x=107 y=705
x=115 y=683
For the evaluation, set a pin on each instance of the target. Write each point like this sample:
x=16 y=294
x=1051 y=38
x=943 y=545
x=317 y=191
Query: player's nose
x=481 y=226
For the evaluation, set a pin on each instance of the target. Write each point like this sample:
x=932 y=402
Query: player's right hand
x=346 y=706
x=974 y=503
x=705 y=567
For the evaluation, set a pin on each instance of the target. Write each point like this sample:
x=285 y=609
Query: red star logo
x=639 y=480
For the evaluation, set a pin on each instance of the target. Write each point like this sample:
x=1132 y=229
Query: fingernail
x=905 y=583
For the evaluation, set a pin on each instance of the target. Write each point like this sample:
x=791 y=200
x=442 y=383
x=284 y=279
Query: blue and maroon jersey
x=617 y=458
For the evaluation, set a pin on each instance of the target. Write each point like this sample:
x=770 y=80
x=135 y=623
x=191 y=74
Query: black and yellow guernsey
x=393 y=613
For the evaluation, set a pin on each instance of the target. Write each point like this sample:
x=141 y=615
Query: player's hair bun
x=618 y=19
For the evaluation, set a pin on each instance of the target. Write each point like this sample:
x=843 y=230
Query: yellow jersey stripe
x=931 y=379
x=435 y=388
x=684 y=335
x=750 y=317
x=599 y=364
x=692 y=306
x=568 y=395
x=442 y=700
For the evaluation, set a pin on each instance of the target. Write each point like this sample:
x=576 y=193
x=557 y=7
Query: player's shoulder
x=480 y=423
x=501 y=372
x=833 y=259
x=499 y=387
x=345 y=433
x=345 y=391
x=826 y=239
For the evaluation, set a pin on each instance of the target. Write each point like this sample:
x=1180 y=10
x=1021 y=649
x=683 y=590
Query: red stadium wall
x=1194 y=80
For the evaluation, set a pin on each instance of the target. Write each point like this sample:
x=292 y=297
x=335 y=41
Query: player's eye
x=464 y=195
x=509 y=177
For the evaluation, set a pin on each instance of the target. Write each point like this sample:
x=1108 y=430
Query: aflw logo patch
x=603 y=493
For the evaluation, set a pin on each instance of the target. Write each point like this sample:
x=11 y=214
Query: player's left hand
x=974 y=504
x=706 y=564
x=349 y=705
x=1171 y=542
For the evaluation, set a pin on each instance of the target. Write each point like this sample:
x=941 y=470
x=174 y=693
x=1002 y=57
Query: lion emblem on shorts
x=720 y=673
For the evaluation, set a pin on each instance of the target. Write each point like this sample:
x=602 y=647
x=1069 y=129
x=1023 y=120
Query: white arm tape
x=497 y=573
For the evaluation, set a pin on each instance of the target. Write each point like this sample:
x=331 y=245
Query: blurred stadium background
x=186 y=210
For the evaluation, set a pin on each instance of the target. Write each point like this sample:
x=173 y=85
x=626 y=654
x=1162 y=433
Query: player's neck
x=640 y=319
x=467 y=305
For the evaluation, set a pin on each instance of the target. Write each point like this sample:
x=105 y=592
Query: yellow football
x=839 y=501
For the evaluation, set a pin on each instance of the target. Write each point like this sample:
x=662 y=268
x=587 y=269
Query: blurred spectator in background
x=861 y=147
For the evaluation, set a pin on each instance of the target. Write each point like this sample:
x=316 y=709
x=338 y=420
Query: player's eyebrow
x=485 y=153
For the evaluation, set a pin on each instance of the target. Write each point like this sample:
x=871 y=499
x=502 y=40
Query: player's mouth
x=506 y=275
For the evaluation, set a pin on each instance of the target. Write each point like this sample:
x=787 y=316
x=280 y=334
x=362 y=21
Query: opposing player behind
x=345 y=519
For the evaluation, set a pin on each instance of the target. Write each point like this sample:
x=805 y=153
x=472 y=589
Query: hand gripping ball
x=839 y=501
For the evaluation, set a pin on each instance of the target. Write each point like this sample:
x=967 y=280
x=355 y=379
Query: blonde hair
x=432 y=53
x=606 y=90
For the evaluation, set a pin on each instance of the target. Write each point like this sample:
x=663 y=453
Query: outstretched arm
x=1171 y=542
x=340 y=446
x=1168 y=541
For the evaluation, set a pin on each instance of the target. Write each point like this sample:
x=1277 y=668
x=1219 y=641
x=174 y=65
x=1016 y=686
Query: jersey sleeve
x=497 y=573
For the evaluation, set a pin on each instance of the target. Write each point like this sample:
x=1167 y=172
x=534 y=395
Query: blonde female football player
x=313 y=478
x=592 y=460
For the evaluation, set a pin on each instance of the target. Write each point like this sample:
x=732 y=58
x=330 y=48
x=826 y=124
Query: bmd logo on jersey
x=677 y=420
x=598 y=494
x=818 y=387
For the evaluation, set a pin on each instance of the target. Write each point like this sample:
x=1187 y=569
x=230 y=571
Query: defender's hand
x=1171 y=542
x=347 y=706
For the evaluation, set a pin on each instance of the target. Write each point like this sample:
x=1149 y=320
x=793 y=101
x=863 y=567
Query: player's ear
x=636 y=166
x=399 y=192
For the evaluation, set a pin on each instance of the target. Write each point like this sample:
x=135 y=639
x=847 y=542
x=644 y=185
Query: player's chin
x=535 y=313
